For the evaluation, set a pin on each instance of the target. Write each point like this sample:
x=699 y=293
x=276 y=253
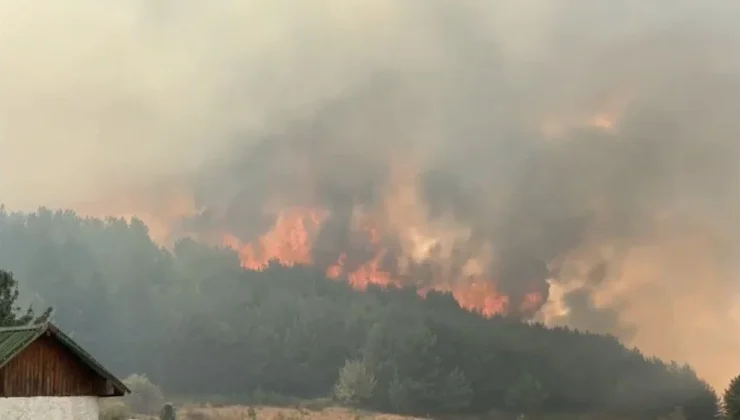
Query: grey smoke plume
x=584 y=150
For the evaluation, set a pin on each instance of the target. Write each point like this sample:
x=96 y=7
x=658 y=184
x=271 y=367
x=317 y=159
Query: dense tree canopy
x=197 y=323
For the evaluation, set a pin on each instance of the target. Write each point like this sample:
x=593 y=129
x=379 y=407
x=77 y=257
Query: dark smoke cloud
x=587 y=150
x=471 y=113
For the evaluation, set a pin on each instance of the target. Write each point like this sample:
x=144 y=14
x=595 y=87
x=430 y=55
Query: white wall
x=49 y=408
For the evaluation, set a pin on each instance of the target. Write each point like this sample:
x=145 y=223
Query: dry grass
x=241 y=412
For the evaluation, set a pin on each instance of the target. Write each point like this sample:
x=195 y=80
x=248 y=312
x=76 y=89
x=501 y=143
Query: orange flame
x=290 y=242
x=482 y=297
x=367 y=274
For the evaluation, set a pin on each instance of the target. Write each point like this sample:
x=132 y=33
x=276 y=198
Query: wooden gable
x=46 y=368
x=42 y=361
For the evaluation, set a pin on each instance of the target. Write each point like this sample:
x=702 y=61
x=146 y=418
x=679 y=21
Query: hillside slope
x=197 y=323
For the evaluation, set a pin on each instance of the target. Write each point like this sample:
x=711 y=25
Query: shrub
x=167 y=412
x=356 y=383
x=145 y=397
x=114 y=410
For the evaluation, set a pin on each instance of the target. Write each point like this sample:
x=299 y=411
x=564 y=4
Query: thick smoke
x=585 y=150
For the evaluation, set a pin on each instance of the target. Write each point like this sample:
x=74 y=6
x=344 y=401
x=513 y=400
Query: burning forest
x=580 y=173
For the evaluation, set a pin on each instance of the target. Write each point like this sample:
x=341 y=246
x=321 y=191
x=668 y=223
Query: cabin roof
x=13 y=340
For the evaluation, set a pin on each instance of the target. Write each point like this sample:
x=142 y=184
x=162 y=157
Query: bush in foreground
x=114 y=409
x=145 y=397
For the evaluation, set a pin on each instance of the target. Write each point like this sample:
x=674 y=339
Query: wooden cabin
x=44 y=374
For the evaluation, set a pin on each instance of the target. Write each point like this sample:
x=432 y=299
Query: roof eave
x=119 y=387
x=39 y=330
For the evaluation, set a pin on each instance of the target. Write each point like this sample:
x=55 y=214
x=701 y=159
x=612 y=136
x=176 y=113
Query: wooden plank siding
x=46 y=368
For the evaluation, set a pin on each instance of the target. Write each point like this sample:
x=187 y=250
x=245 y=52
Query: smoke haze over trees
x=197 y=323
x=571 y=162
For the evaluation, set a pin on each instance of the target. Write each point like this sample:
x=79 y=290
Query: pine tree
x=731 y=400
x=9 y=311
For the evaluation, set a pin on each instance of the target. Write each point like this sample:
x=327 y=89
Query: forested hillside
x=195 y=322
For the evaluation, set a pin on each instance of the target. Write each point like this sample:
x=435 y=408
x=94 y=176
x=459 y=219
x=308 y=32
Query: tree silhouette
x=8 y=304
x=731 y=400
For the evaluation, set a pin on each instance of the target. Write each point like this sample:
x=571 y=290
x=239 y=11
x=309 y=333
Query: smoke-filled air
x=574 y=163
